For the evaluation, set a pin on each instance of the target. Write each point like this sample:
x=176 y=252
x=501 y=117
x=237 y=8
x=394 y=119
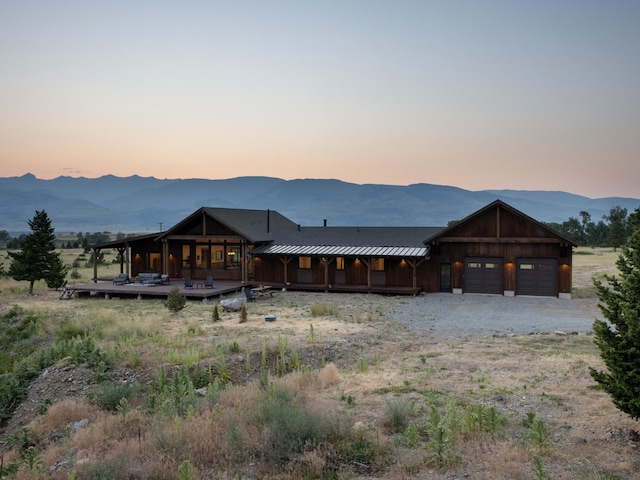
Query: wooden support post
x=414 y=267
x=285 y=261
x=367 y=262
x=326 y=261
x=95 y=265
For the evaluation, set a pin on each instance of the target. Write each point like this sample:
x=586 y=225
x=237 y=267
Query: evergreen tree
x=617 y=226
x=619 y=340
x=175 y=301
x=37 y=258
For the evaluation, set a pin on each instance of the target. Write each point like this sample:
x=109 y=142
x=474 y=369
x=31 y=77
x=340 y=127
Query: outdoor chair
x=187 y=282
x=208 y=283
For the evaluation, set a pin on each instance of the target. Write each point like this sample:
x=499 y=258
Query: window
x=202 y=255
x=474 y=265
x=490 y=265
x=186 y=256
x=339 y=263
x=154 y=262
x=377 y=264
x=304 y=263
x=526 y=266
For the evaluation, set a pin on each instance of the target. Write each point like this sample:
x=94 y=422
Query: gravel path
x=493 y=314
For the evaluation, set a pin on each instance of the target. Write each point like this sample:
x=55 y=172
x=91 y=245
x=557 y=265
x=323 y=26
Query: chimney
x=324 y=221
x=298 y=227
x=268 y=221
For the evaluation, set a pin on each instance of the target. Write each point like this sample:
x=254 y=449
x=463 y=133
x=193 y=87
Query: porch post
x=126 y=258
x=95 y=265
x=285 y=261
x=367 y=262
x=165 y=257
x=245 y=262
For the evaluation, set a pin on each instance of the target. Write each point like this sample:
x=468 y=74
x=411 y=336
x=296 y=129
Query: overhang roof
x=351 y=241
x=254 y=225
x=123 y=242
x=340 y=251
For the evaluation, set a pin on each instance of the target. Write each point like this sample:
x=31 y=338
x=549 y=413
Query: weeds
x=312 y=337
x=539 y=437
x=292 y=425
x=397 y=413
x=109 y=397
x=323 y=310
x=538 y=469
x=439 y=446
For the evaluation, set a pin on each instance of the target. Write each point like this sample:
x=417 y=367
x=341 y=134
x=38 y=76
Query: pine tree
x=175 y=300
x=37 y=258
x=619 y=340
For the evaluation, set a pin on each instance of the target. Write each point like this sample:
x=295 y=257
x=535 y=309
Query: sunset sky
x=535 y=95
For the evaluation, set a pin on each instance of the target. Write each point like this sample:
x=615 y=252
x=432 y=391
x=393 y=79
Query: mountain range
x=147 y=204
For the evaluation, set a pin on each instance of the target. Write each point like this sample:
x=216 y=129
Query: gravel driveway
x=494 y=314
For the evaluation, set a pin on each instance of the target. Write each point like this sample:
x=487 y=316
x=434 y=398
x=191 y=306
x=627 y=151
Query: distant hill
x=141 y=204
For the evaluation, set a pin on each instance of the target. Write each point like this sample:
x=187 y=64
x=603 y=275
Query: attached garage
x=483 y=275
x=500 y=250
x=537 y=276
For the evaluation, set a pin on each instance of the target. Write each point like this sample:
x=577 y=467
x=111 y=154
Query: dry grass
x=358 y=363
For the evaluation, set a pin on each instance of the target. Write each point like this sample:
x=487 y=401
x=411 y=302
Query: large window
x=339 y=263
x=304 y=263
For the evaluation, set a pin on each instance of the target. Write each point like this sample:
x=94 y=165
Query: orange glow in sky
x=491 y=95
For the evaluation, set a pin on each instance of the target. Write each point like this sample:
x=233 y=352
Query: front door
x=445 y=277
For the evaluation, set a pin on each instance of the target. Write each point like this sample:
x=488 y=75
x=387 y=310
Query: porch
x=341 y=288
x=105 y=288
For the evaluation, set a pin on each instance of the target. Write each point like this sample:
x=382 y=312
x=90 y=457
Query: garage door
x=537 y=276
x=483 y=275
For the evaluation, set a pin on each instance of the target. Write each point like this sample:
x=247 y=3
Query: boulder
x=231 y=304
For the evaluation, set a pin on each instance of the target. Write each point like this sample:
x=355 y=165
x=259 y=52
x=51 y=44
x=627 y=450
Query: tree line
x=612 y=230
x=82 y=240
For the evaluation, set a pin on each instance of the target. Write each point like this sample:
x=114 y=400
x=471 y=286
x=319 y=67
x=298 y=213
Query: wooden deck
x=105 y=288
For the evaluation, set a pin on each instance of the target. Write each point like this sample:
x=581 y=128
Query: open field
x=332 y=389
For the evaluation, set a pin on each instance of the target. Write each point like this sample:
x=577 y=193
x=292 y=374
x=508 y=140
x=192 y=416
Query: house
x=496 y=250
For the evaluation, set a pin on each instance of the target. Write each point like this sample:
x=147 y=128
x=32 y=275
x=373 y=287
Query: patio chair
x=208 y=283
x=248 y=294
x=187 y=282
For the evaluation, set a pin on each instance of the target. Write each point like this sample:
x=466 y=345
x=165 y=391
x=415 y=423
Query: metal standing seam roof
x=341 y=251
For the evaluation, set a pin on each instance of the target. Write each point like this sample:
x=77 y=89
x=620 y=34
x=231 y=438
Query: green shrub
x=173 y=395
x=105 y=469
x=175 y=300
x=292 y=425
x=13 y=385
x=109 y=396
x=539 y=437
x=397 y=413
